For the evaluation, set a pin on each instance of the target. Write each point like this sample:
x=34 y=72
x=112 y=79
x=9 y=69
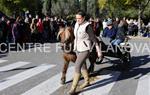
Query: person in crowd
x=110 y=31
x=130 y=26
x=3 y=30
x=135 y=28
x=40 y=29
x=46 y=25
x=18 y=30
x=104 y=24
x=56 y=28
x=52 y=28
x=116 y=22
x=34 y=31
x=98 y=27
x=27 y=30
x=121 y=33
x=148 y=30
x=9 y=29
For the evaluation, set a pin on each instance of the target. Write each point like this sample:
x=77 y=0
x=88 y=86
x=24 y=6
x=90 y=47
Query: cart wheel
x=127 y=58
x=126 y=61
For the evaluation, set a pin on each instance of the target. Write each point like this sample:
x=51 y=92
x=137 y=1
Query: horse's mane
x=61 y=30
x=68 y=31
x=67 y=34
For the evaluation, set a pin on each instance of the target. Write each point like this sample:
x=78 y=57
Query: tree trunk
x=141 y=10
x=139 y=21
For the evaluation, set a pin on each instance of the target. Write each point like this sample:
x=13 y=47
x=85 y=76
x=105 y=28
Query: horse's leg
x=64 y=71
x=91 y=67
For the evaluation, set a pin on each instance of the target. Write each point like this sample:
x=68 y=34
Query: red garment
x=40 y=27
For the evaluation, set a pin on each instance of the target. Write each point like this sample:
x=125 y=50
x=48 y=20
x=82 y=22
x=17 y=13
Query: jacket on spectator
x=109 y=33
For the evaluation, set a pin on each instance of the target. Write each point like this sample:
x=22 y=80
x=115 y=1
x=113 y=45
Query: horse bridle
x=67 y=47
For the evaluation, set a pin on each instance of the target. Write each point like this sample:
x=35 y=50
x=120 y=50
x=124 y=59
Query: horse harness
x=67 y=47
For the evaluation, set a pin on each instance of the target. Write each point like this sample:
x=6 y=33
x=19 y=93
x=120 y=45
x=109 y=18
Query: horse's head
x=65 y=35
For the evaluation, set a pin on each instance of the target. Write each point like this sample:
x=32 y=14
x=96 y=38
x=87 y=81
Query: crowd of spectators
x=29 y=29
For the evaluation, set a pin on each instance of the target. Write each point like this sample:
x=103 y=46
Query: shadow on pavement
x=3 y=55
x=19 y=69
x=136 y=71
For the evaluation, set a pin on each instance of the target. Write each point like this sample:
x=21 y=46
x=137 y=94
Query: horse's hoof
x=91 y=70
x=63 y=81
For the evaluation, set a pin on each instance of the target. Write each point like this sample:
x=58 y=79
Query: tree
x=47 y=7
x=61 y=8
x=84 y=5
x=17 y=6
x=141 y=5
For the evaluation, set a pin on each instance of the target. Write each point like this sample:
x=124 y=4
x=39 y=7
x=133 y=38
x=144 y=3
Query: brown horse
x=66 y=37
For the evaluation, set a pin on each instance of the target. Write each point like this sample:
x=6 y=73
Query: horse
x=66 y=37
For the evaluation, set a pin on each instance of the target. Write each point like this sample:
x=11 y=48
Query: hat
x=109 y=22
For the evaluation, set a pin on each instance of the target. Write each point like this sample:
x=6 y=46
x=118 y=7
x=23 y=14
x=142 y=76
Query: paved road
x=37 y=72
